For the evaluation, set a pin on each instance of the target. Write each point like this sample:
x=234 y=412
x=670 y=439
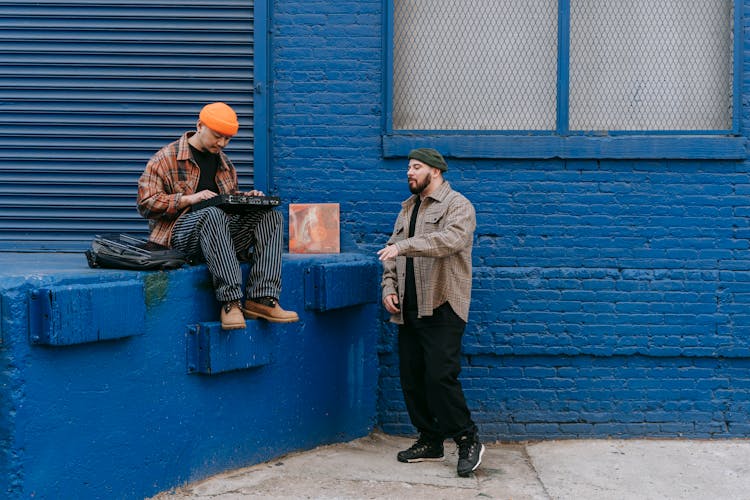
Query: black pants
x=430 y=360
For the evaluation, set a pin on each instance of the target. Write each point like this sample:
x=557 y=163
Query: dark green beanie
x=429 y=156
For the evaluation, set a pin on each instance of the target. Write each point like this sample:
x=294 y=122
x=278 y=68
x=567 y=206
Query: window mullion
x=563 y=66
x=737 y=62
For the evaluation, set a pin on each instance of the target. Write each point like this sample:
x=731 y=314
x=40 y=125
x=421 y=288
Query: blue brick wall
x=612 y=298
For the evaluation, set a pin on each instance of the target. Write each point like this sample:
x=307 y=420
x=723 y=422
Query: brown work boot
x=231 y=316
x=269 y=309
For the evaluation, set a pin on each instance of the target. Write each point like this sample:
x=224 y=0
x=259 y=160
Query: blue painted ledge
x=121 y=384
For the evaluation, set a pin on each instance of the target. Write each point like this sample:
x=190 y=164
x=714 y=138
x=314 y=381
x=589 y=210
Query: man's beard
x=420 y=186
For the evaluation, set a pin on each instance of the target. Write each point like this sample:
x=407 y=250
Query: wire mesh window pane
x=651 y=65
x=479 y=65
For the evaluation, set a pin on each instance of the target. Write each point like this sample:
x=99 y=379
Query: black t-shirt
x=410 y=294
x=208 y=163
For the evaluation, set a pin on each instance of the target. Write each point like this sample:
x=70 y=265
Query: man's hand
x=388 y=253
x=391 y=303
x=254 y=192
x=192 y=199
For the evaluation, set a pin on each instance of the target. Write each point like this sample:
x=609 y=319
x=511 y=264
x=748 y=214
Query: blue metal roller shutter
x=89 y=90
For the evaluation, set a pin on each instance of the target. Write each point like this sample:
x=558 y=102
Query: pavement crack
x=530 y=464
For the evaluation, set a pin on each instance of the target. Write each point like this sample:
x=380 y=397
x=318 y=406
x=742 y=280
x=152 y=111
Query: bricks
x=611 y=298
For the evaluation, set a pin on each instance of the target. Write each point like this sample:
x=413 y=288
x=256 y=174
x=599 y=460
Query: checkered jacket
x=441 y=248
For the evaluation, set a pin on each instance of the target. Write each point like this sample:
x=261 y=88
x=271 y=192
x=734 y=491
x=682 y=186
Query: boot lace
x=228 y=306
x=465 y=448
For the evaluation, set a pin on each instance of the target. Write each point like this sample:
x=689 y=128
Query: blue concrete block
x=210 y=349
x=336 y=285
x=76 y=314
x=66 y=412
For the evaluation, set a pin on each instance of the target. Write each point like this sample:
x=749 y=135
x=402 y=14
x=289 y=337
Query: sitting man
x=192 y=169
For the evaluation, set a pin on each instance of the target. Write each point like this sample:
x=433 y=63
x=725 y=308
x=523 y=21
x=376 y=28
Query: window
x=663 y=65
x=568 y=71
x=486 y=65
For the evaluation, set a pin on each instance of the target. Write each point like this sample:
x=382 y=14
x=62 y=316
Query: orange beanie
x=220 y=118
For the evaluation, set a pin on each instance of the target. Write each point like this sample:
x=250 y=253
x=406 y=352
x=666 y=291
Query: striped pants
x=218 y=238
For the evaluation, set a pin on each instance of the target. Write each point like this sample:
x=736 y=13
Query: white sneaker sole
x=417 y=460
x=481 y=453
x=476 y=465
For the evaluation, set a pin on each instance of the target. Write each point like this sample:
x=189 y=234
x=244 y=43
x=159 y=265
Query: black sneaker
x=422 y=451
x=470 y=452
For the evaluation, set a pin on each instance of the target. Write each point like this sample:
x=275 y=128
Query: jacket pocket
x=433 y=221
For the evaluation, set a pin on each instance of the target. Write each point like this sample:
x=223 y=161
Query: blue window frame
x=724 y=142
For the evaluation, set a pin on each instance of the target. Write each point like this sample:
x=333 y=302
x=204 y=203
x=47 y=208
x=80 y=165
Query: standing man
x=426 y=287
x=192 y=169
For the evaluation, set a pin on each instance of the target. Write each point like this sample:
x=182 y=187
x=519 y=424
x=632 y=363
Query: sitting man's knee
x=215 y=215
x=274 y=216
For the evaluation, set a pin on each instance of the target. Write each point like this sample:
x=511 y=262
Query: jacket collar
x=184 y=154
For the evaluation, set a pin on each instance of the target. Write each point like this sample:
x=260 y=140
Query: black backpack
x=120 y=251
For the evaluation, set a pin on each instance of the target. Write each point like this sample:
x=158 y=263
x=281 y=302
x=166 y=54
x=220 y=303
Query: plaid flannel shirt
x=170 y=174
x=441 y=248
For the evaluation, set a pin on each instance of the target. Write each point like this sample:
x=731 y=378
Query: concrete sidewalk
x=575 y=469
